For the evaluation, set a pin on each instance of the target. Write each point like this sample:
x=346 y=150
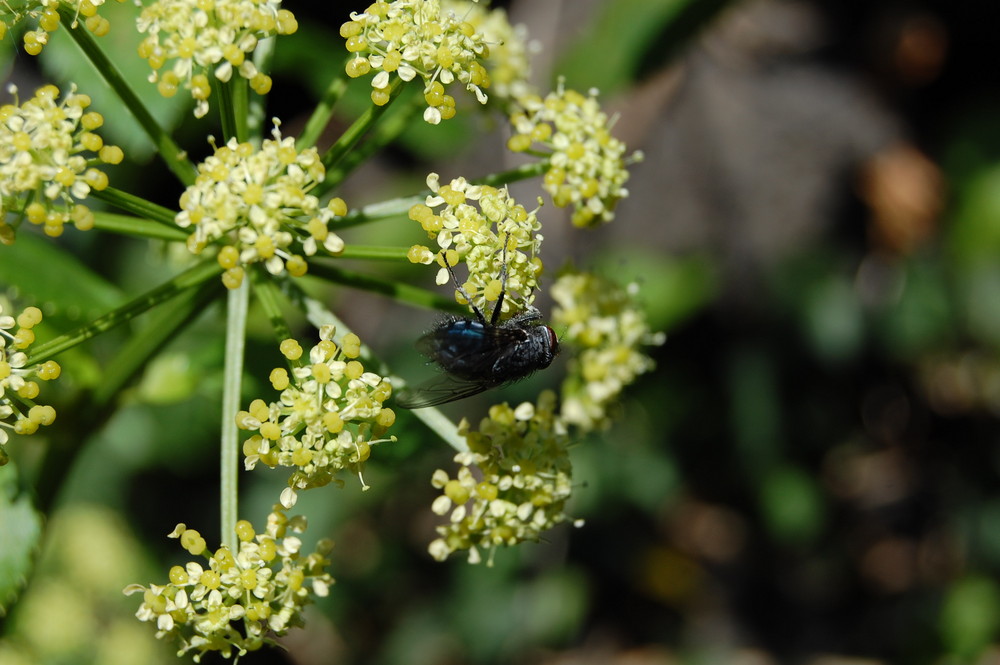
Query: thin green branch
x=385 y=133
x=186 y=280
x=175 y=158
x=323 y=112
x=227 y=96
x=443 y=426
x=522 y=172
x=266 y=292
x=379 y=211
x=395 y=290
x=240 y=89
x=359 y=128
x=263 y=59
x=237 y=304
x=136 y=227
x=374 y=253
x=136 y=205
x=165 y=323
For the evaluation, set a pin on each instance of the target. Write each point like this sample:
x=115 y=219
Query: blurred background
x=809 y=476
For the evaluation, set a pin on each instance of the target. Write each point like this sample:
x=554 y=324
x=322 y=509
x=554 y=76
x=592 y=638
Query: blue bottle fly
x=478 y=354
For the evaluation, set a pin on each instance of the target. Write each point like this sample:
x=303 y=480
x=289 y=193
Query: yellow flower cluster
x=586 y=163
x=47 y=14
x=47 y=151
x=236 y=600
x=508 y=63
x=511 y=486
x=496 y=233
x=328 y=416
x=18 y=389
x=259 y=200
x=609 y=329
x=208 y=38
x=410 y=38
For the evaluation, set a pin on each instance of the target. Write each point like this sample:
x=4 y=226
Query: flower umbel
x=499 y=232
x=18 y=389
x=587 y=164
x=605 y=323
x=411 y=38
x=512 y=484
x=328 y=416
x=48 y=149
x=234 y=599
x=208 y=39
x=258 y=199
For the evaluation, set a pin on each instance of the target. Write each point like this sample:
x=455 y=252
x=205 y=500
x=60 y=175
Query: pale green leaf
x=21 y=527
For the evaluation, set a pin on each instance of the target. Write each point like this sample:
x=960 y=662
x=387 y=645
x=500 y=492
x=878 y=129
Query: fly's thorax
x=534 y=349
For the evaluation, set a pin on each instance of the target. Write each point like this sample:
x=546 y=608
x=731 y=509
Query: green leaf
x=21 y=527
x=25 y=264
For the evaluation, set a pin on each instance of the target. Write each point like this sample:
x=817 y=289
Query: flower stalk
x=138 y=206
x=237 y=305
x=358 y=129
x=321 y=115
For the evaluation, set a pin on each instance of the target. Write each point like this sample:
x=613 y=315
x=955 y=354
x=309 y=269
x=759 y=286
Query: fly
x=479 y=354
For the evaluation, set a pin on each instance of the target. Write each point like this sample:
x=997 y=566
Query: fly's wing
x=473 y=357
x=440 y=390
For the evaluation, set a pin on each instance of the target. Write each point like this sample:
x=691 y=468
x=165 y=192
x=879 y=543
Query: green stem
x=175 y=158
x=522 y=172
x=441 y=425
x=384 y=134
x=353 y=134
x=237 y=304
x=266 y=292
x=240 y=89
x=396 y=290
x=373 y=253
x=186 y=280
x=263 y=59
x=166 y=322
x=233 y=118
x=134 y=226
x=321 y=115
x=379 y=211
x=136 y=205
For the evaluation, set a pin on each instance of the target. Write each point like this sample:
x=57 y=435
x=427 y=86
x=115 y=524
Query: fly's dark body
x=476 y=354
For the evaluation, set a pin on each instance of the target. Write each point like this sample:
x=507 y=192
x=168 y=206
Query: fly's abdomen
x=459 y=348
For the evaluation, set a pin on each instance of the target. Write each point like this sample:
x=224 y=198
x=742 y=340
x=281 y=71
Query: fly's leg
x=498 y=308
x=461 y=289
